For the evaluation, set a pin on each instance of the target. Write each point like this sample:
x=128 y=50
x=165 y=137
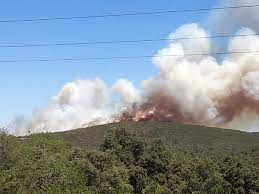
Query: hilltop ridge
x=186 y=137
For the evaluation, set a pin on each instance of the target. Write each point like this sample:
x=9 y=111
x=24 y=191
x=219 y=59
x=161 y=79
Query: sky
x=28 y=85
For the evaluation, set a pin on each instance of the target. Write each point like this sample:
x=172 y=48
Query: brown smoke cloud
x=161 y=107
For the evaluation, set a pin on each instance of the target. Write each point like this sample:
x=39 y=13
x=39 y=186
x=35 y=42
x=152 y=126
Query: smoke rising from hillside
x=199 y=89
x=189 y=89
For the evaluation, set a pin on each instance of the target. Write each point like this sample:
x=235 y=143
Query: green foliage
x=6 y=149
x=124 y=163
x=40 y=165
x=155 y=169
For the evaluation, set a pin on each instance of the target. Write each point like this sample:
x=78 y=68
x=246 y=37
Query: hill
x=186 y=137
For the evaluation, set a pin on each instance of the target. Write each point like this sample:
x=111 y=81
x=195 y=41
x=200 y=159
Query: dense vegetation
x=124 y=163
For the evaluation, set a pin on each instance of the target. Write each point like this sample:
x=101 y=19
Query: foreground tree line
x=123 y=164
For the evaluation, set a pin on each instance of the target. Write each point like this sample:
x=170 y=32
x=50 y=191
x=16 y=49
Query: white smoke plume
x=190 y=89
x=127 y=92
x=78 y=104
x=202 y=90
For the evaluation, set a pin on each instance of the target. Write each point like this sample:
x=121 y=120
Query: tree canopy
x=124 y=163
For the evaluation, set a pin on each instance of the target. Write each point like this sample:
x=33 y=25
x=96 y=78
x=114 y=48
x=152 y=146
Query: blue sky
x=25 y=86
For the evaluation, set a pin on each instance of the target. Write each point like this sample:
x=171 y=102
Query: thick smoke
x=200 y=90
x=79 y=104
x=207 y=90
x=127 y=92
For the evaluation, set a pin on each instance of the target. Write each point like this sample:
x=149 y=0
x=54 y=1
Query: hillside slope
x=186 y=137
